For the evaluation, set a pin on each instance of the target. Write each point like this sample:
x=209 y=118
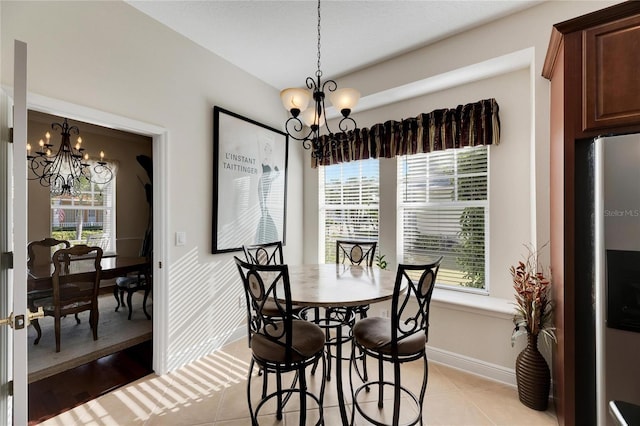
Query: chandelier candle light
x=296 y=101
x=64 y=171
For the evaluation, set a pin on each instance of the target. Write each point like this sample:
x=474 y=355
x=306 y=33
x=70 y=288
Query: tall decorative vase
x=533 y=376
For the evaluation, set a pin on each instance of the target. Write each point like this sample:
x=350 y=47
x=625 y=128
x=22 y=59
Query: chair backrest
x=40 y=252
x=264 y=254
x=264 y=283
x=78 y=265
x=355 y=252
x=410 y=307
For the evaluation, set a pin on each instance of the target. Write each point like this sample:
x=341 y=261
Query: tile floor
x=212 y=391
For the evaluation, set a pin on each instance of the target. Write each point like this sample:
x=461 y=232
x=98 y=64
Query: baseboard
x=472 y=365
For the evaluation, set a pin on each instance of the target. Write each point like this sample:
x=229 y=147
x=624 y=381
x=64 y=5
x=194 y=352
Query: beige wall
x=131 y=205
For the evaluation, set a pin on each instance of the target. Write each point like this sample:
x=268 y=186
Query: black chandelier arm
x=329 y=85
x=312 y=85
x=65 y=129
x=294 y=126
x=102 y=173
x=346 y=124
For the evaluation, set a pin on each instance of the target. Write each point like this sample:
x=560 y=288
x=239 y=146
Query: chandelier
x=66 y=171
x=296 y=101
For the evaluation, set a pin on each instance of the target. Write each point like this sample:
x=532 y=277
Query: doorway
x=115 y=216
x=157 y=137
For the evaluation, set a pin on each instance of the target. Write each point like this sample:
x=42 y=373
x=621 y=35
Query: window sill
x=474 y=303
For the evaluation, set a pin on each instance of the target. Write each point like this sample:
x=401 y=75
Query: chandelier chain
x=318 y=72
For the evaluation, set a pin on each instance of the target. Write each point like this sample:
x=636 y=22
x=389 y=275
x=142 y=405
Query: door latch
x=19 y=322
x=7 y=321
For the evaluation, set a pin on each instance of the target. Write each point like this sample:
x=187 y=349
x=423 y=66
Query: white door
x=13 y=236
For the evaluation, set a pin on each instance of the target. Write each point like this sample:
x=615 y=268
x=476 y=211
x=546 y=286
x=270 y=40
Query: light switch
x=181 y=238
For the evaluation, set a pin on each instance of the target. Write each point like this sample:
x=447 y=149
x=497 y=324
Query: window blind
x=349 y=198
x=86 y=218
x=443 y=211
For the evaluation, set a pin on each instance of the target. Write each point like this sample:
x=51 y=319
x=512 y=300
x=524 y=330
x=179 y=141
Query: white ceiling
x=276 y=41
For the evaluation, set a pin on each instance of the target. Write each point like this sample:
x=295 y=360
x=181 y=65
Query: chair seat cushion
x=271 y=310
x=307 y=341
x=129 y=282
x=48 y=305
x=375 y=333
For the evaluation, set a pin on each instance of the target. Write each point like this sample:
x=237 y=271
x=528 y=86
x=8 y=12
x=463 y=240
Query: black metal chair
x=354 y=253
x=282 y=343
x=81 y=295
x=399 y=339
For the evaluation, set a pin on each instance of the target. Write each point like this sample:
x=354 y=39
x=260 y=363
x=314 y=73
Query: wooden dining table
x=339 y=286
x=39 y=276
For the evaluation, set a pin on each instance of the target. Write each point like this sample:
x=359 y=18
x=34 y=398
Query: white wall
x=473 y=332
x=110 y=57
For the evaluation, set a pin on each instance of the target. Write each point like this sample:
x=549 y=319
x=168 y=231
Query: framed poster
x=249 y=182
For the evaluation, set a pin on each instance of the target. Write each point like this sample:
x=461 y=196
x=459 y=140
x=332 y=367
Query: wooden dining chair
x=39 y=252
x=281 y=343
x=397 y=340
x=137 y=281
x=74 y=292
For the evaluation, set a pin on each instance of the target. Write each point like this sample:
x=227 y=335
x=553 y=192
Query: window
x=443 y=210
x=348 y=204
x=86 y=218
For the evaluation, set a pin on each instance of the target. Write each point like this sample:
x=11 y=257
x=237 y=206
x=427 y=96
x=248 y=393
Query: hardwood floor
x=61 y=392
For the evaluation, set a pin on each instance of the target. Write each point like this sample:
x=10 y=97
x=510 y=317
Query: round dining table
x=340 y=286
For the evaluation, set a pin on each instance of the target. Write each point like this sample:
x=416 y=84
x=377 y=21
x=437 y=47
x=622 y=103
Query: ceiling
x=276 y=41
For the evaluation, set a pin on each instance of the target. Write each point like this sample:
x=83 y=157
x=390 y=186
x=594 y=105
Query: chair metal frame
x=264 y=254
x=405 y=324
x=263 y=283
x=355 y=251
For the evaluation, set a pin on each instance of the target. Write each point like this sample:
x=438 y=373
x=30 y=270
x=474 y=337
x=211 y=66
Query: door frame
x=160 y=138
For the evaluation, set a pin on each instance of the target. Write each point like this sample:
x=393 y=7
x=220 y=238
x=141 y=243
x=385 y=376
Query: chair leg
x=57 y=332
x=396 y=393
x=93 y=321
x=425 y=378
x=77 y=319
x=122 y=297
x=265 y=381
x=254 y=421
x=380 y=385
x=129 y=294
x=144 y=301
x=115 y=294
x=303 y=396
x=36 y=326
x=279 y=395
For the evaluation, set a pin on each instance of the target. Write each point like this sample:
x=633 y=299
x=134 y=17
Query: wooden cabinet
x=593 y=62
x=612 y=74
